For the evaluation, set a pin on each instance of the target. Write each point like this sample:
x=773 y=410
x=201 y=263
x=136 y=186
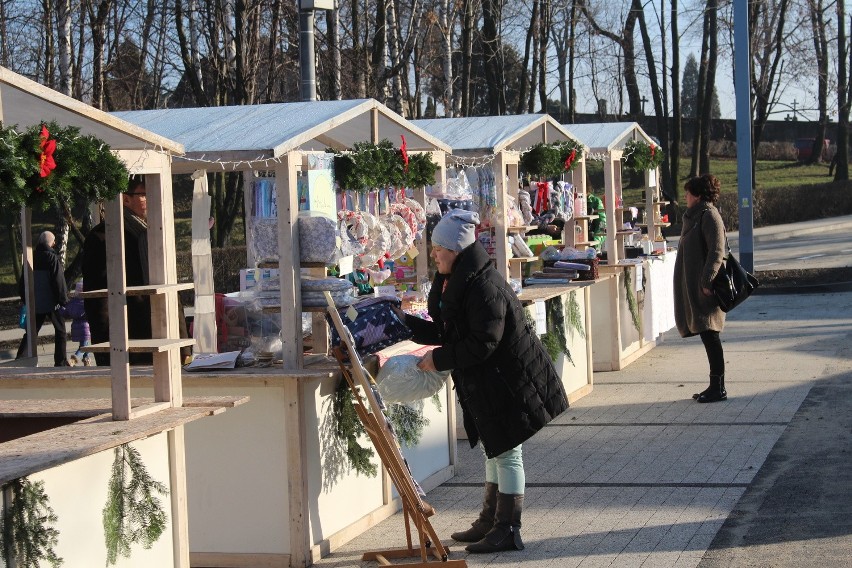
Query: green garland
x=133 y=512
x=85 y=168
x=26 y=533
x=348 y=427
x=631 y=300
x=641 y=156
x=377 y=166
x=575 y=316
x=551 y=160
x=408 y=421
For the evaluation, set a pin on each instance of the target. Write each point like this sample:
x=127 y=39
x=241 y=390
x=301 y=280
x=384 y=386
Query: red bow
x=570 y=159
x=542 y=199
x=653 y=149
x=404 y=151
x=46 y=161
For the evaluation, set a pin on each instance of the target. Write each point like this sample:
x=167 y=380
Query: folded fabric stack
x=318 y=239
x=375 y=326
x=313 y=292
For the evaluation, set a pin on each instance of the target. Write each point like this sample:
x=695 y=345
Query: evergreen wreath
x=551 y=160
x=47 y=165
x=377 y=166
x=133 y=512
x=642 y=156
x=26 y=533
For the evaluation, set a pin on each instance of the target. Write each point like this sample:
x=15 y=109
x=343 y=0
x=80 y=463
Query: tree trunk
x=492 y=11
x=816 y=12
x=700 y=90
x=522 y=95
x=446 y=30
x=656 y=95
x=379 y=58
x=332 y=20
x=467 y=31
x=674 y=151
x=709 y=85
x=63 y=17
x=192 y=69
x=842 y=171
x=97 y=19
x=49 y=48
x=545 y=23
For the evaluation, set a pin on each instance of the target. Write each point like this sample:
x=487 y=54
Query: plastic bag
x=400 y=380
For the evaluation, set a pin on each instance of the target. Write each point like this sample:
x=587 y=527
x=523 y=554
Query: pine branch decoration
x=349 y=428
x=408 y=421
x=133 y=513
x=575 y=316
x=26 y=531
x=631 y=301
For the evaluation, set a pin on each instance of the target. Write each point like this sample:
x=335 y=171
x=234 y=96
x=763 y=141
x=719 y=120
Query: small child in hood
x=75 y=311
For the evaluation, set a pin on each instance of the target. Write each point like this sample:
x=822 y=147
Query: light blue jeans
x=507 y=471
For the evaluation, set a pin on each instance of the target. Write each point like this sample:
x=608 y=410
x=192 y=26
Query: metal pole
x=742 y=82
x=307 y=57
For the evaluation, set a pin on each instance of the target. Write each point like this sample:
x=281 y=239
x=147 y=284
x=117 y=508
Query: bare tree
x=816 y=10
x=492 y=11
x=624 y=39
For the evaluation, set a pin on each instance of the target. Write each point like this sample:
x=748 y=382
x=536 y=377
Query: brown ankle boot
x=480 y=527
x=506 y=533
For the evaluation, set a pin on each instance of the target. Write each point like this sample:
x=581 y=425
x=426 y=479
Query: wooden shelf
x=149 y=290
x=522 y=229
x=585 y=217
x=622 y=233
x=586 y=243
x=523 y=259
x=143 y=345
x=653 y=225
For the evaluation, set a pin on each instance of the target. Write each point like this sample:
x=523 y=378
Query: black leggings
x=715 y=355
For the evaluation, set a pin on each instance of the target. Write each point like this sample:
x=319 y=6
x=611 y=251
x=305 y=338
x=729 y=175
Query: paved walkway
x=638 y=474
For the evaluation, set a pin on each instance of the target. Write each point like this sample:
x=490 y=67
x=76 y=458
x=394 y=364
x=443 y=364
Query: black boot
x=506 y=534
x=715 y=392
x=480 y=527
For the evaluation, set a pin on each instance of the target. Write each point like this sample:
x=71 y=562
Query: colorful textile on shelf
x=375 y=326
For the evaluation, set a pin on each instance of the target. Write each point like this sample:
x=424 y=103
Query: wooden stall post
x=119 y=360
x=501 y=234
x=162 y=270
x=29 y=284
x=289 y=272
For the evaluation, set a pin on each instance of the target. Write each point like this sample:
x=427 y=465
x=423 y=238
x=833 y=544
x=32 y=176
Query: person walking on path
x=76 y=312
x=506 y=383
x=51 y=293
x=700 y=255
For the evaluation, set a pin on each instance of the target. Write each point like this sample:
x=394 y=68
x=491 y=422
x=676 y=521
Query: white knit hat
x=456 y=230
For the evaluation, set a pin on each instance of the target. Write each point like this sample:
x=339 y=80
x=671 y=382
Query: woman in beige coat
x=700 y=255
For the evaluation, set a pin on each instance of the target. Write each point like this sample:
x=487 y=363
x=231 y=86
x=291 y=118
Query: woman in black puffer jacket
x=504 y=378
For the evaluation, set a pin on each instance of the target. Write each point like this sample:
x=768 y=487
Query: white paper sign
x=639 y=276
x=352 y=313
x=540 y=317
x=346 y=265
x=384 y=291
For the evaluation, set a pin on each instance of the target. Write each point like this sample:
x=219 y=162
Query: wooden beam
x=119 y=361
x=286 y=183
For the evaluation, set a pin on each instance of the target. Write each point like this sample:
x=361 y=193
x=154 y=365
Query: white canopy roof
x=258 y=132
x=26 y=103
x=602 y=137
x=492 y=134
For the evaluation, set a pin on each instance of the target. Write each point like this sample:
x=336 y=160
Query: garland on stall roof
x=49 y=164
x=642 y=156
x=551 y=160
x=27 y=533
x=375 y=166
x=133 y=513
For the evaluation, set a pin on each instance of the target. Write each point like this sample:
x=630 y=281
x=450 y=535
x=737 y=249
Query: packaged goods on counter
x=375 y=325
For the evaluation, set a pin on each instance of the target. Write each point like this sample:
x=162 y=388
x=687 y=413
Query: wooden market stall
x=633 y=309
x=58 y=446
x=296 y=487
x=496 y=143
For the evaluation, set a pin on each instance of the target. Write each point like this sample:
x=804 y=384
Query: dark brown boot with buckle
x=480 y=527
x=506 y=534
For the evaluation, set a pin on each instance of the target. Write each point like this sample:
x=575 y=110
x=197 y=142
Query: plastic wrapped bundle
x=318 y=239
x=400 y=380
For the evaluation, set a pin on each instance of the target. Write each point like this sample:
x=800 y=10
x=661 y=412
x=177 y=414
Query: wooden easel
x=371 y=413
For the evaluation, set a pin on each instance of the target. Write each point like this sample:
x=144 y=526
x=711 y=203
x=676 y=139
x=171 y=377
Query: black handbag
x=733 y=284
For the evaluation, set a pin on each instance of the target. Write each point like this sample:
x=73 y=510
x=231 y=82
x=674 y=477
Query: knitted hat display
x=456 y=230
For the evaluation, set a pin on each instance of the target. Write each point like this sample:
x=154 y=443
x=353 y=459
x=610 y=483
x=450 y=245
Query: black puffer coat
x=505 y=380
